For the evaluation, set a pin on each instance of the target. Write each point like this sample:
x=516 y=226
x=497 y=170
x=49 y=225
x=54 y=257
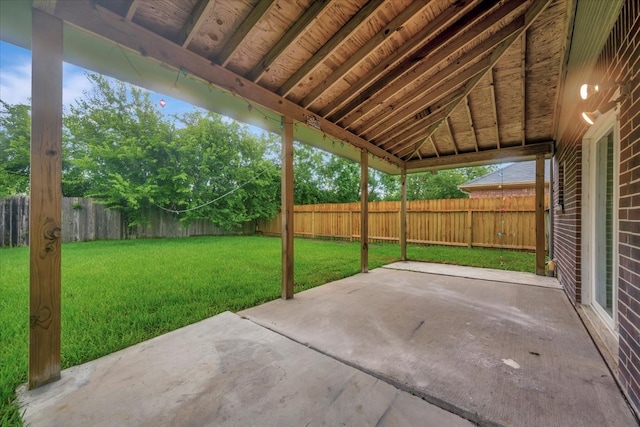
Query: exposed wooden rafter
x=243 y=30
x=443 y=46
x=110 y=26
x=294 y=33
x=365 y=50
x=431 y=37
x=453 y=139
x=494 y=106
x=467 y=108
x=133 y=7
x=193 y=22
x=525 y=21
x=334 y=43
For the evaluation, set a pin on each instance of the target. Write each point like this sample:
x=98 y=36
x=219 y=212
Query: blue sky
x=15 y=81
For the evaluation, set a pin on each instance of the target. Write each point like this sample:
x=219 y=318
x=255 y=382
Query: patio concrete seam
x=440 y=403
x=475 y=278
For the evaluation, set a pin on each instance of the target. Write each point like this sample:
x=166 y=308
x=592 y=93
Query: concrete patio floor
x=391 y=347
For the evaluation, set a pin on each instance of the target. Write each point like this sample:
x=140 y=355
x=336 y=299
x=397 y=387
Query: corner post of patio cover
x=45 y=199
x=403 y=215
x=287 y=208
x=364 y=211
x=540 y=235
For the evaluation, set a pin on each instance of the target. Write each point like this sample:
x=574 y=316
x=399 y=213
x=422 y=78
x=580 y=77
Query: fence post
x=469 y=226
x=313 y=224
x=351 y=226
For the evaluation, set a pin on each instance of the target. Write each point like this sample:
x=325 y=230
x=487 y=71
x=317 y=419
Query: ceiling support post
x=287 y=208
x=364 y=211
x=540 y=234
x=403 y=215
x=46 y=199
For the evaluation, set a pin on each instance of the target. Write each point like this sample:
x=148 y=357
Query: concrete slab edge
x=472 y=417
x=463 y=276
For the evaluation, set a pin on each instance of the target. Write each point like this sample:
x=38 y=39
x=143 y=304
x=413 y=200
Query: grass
x=118 y=293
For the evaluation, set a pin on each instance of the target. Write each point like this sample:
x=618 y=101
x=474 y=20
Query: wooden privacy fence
x=483 y=222
x=83 y=219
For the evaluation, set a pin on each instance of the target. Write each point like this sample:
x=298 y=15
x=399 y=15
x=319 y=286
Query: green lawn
x=118 y=293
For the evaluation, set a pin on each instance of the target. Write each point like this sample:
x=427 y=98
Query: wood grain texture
x=46 y=198
x=540 y=234
x=287 y=209
x=364 y=207
x=403 y=215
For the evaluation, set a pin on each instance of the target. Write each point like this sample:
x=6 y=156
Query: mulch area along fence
x=482 y=222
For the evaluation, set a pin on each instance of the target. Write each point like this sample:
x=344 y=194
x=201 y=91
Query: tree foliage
x=120 y=148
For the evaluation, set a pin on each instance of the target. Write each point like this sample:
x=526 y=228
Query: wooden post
x=351 y=226
x=469 y=226
x=313 y=224
x=403 y=215
x=287 y=208
x=540 y=246
x=46 y=199
x=364 y=211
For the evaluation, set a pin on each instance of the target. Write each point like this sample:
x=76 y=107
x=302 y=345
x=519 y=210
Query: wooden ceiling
x=422 y=84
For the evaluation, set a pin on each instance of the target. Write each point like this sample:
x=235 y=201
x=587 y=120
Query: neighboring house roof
x=516 y=173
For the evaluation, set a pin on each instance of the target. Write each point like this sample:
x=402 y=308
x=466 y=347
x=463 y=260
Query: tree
x=442 y=184
x=15 y=138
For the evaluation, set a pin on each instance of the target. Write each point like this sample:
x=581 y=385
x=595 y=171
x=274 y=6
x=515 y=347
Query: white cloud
x=15 y=83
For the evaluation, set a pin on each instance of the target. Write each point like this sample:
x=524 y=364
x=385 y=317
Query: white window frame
x=604 y=124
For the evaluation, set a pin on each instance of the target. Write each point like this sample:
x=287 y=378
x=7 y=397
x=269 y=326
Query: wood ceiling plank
x=243 y=30
x=534 y=10
x=110 y=26
x=355 y=59
x=494 y=103
x=334 y=43
x=416 y=124
x=291 y=36
x=402 y=59
x=483 y=157
x=435 y=87
x=190 y=27
x=408 y=146
x=446 y=44
x=132 y=10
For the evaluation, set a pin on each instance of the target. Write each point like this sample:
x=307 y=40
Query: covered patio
x=401 y=345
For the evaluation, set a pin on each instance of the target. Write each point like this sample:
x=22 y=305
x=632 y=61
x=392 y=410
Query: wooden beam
x=486 y=157
x=364 y=211
x=110 y=26
x=523 y=87
x=291 y=36
x=334 y=43
x=433 y=144
x=243 y=30
x=532 y=13
x=409 y=146
x=494 y=105
x=403 y=215
x=371 y=44
x=453 y=139
x=401 y=60
x=195 y=19
x=133 y=7
x=440 y=48
x=433 y=90
x=287 y=208
x=45 y=209
x=467 y=107
x=540 y=234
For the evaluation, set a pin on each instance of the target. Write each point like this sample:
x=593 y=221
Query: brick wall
x=619 y=61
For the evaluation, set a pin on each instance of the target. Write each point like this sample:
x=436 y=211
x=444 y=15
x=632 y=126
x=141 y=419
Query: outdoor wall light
x=590 y=117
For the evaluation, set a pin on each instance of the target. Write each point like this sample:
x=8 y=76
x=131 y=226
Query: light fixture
x=162 y=103
x=590 y=117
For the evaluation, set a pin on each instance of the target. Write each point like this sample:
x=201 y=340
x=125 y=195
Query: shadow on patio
x=391 y=347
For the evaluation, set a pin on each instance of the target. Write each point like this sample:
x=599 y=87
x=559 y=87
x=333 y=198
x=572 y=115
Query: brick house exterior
x=517 y=179
x=577 y=163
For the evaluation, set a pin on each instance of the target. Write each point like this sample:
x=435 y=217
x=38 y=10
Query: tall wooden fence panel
x=83 y=219
x=483 y=222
